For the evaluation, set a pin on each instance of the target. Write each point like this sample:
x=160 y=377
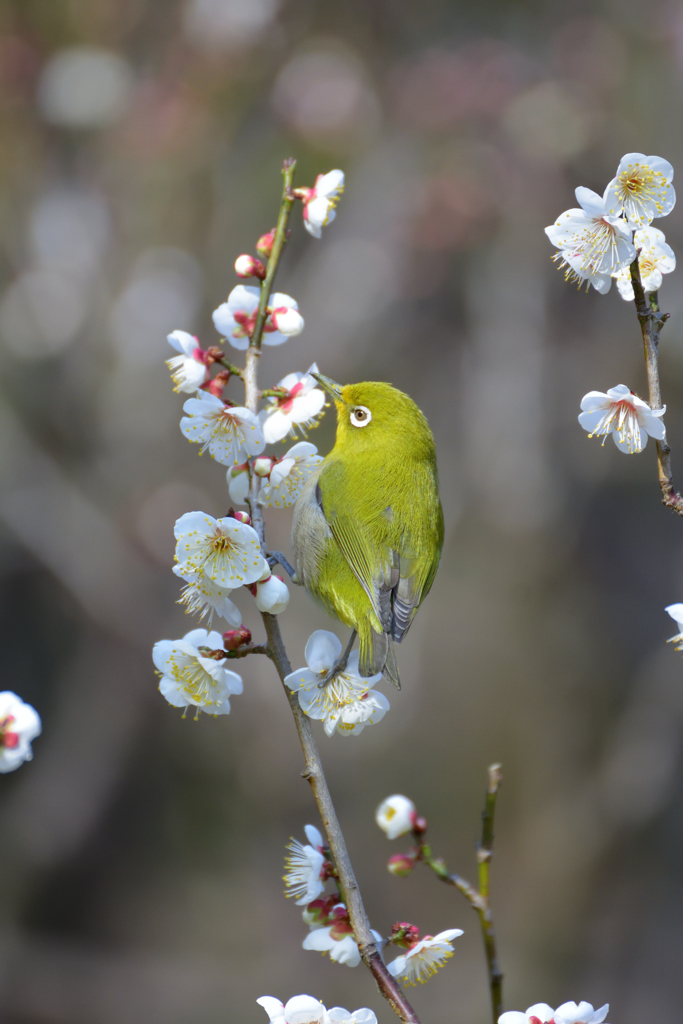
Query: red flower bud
x=247 y=266
x=235 y=638
x=404 y=934
x=401 y=864
x=243 y=517
x=264 y=246
x=419 y=824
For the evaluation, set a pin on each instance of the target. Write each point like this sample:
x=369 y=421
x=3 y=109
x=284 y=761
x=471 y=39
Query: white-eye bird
x=368 y=525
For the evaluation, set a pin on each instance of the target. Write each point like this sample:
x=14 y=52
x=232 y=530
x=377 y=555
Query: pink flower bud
x=264 y=246
x=247 y=266
x=287 y=321
x=419 y=824
x=243 y=517
x=263 y=465
x=401 y=864
x=235 y=638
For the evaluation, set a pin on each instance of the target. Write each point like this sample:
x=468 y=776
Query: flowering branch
x=479 y=900
x=313 y=772
x=651 y=321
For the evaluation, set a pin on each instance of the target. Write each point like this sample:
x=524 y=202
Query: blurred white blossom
x=304 y=878
x=308 y=1010
x=203 y=597
x=641 y=189
x=320 y=202
x=84 y=87
x=225 y=551
x=190 y=679
x=288 y=475
x=623 y=415
x=423 y=959
x=346 y=704
x=299 y=405
x=593 y=242
x=230 y=432
x=189 y=369
x=236 y=318
x=19 y=726
x=396 y=815
x=656 y=258
x=568 y=1013
x=676 y=613
x=238 y=483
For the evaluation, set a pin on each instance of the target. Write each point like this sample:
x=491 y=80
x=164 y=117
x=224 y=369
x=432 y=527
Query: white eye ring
x=360 y=416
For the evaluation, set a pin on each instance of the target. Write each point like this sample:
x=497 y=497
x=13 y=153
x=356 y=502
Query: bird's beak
x=330 y=386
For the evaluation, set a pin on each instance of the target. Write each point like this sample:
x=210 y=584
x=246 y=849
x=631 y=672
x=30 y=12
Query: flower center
x=621 y=417
x=195 y=682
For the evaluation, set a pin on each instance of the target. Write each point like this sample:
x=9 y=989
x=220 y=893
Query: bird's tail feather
x=376 y=654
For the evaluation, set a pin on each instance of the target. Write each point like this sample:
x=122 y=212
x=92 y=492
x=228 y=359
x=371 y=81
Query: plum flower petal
x=581 y=1013
x=272 y=595
x=593 y=243
x=300 y=404
x=338 y=1015
x=288 y=476
x=190 y=679
x=424 y=958
x=538 y=1012
x=305 y=877
x=676 y=613
x=656 y=259
x=202 y=597
x=337 y=939
x=188 y=370
x=225 y=551
x=319 y=206
x=346 y=704
x=238 y=483
x=395 y=815
x=298 y=1010
x=642 y=189
x=236 y=318
x=19 y=725
x=231 y=433
x=623 y=415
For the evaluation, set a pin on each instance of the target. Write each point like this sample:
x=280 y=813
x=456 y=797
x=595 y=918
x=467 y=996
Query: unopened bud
x=235 y=638
x=287 y=321
x=419 y=824
x=247 y=266
x=243 y=517
x=264 y=246
x=217 y=384
x=395 y=815
x=263 y=465
x=404 y=934
x=401 y=864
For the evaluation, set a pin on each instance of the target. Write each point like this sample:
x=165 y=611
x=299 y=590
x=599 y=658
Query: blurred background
x=140 y=153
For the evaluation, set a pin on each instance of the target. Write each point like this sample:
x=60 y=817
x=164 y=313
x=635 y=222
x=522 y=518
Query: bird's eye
x=360 y=416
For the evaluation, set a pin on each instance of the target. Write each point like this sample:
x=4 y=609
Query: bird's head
x=374 y=415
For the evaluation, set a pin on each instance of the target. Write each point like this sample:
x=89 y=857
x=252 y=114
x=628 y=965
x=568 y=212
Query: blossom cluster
x=568 y=1013
x=308 y=1010
x=600 y=240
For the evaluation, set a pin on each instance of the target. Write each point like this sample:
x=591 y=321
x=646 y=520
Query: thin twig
x=479 y=901
x=651 y=321
x=313 y=772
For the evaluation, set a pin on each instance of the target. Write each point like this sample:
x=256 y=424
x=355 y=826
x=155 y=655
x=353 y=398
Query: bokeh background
x=140 y=147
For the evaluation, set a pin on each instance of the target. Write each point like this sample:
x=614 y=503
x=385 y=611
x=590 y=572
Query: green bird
x=368 y=526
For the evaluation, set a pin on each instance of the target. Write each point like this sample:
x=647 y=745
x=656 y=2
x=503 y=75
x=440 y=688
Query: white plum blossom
x=300 y=404
x=395 y=816
x=641 y=189
x=305 y=876
x=568 y=1013
x=19 y=725
x=676 y=613
x=190 y=679
x=236 y=318
x=231 y=433
x=593 y=242
x=288 y=476
x=188 y=370
x=337 y=938
x=272 y=594
x=202 y=597
x=320 y=201
x=225 y=551
x=423 y=959
x=656 y=258
x=346 y=704
x=308 y=1010
x=623 y=415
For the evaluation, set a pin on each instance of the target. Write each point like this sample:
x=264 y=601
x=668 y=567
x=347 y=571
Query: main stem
x=313 y=772
x=651 y=321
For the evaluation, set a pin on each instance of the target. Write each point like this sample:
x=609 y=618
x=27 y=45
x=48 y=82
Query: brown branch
x=371 y=956
x=651 y=321
x=479 y=901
